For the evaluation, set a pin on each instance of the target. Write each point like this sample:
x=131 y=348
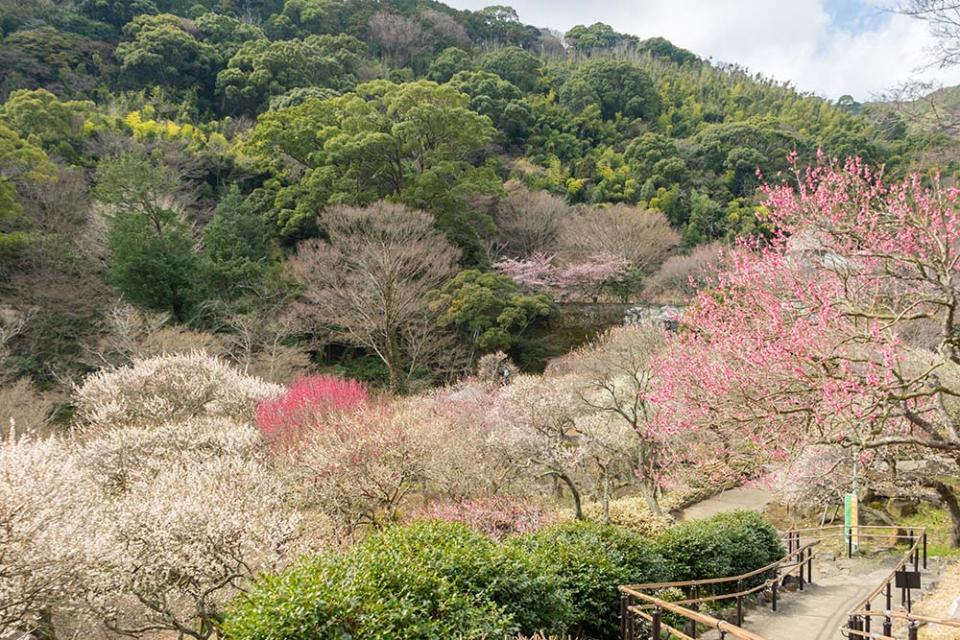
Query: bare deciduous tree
x=367 y=284
x=921 y=105
x=943 y=17
x=681 y=276
x=13 y=322
x=446 y=30
x=529 y=222
x=399 y=37
x=643 y=238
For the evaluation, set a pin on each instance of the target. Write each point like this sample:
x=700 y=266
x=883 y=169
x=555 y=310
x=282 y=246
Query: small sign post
x=851 y=522
x=907 y=581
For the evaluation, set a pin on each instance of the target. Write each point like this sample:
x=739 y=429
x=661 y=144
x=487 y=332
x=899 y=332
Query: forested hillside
x=389 y=189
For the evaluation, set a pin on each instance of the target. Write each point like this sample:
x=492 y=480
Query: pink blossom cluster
x=497 y=516
x=305 y=402
x=832 y=332
x=539 y=273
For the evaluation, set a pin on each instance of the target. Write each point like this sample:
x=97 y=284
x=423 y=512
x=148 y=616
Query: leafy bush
x=630 y=512
x=592 y=560
x=728 y=544
x=427 y=580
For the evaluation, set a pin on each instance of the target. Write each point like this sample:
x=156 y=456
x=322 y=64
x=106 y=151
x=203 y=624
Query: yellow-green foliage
x=151 y=129
x=631 y=513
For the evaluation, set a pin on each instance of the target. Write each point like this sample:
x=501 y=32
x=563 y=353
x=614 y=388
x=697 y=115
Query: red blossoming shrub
x=498 y=516
x=305 y=402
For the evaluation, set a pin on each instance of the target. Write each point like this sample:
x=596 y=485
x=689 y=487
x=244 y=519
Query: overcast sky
x=829 y=47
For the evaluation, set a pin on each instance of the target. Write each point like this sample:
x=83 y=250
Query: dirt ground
x=940 y=603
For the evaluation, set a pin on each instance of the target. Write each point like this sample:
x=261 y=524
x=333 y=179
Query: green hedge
x=425 y=581
x=435 y=581
x=592 y=560
x=725 y=545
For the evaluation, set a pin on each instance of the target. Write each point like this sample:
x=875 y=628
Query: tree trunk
x=950 y=503
x=577 y=507
x=606 y=497
x=44 y=629
x=650 y=495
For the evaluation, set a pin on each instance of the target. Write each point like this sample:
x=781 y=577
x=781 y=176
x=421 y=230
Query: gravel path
x=737 y=499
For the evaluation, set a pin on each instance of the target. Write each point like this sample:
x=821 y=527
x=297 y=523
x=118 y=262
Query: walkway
x=751 y=499
x=818 y=612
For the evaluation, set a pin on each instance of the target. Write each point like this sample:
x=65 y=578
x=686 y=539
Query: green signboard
x=851 y=521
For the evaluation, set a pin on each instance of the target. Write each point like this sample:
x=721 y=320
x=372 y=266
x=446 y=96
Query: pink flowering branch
x=307 y=401
x=539 y=273
x=841 y=330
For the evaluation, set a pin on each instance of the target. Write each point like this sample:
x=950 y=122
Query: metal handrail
x=860 y=615
x=905 y=560
x=651 y=607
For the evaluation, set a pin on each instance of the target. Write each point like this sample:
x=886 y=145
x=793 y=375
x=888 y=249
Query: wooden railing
x=861 y=615
x=636 y=603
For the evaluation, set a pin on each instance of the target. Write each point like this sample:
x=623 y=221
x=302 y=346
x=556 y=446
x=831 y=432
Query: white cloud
x=791 y=40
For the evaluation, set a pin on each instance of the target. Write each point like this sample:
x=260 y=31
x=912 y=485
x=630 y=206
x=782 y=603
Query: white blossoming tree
x=44 y=504
x=169 y=388
x=180 y=546
x=188 y=510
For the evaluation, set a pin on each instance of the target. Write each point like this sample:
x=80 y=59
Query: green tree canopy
x=597 y=36
x=237 y=244
x=497 y=99
x=488 y=309
x=417 y=142
x=450 y=62
x=617 y=87
x=58 y=127
x=151 y=257
x=164 y=50
x=515 y=65
x=62 y=62
x=20 y=163
x=226 y=33
x=116 y=12
x=262 y=69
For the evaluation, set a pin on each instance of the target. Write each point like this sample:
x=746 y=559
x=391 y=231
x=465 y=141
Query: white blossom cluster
x=152 y=515
x=168 y=388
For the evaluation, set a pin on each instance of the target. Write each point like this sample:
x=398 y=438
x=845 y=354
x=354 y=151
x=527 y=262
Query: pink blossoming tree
x=841 y=330
x=584 y=279
x=305 y=402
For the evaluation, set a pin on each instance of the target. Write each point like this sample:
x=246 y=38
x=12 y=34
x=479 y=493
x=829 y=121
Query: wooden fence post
x=773 y=590
x=912 y=630
x=624 y=612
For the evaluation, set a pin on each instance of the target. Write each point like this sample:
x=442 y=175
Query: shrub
x=169 y=388
x=427 y=581
x=591 y=560
x=307 y=400
x=631 y=512
x=728 y=544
